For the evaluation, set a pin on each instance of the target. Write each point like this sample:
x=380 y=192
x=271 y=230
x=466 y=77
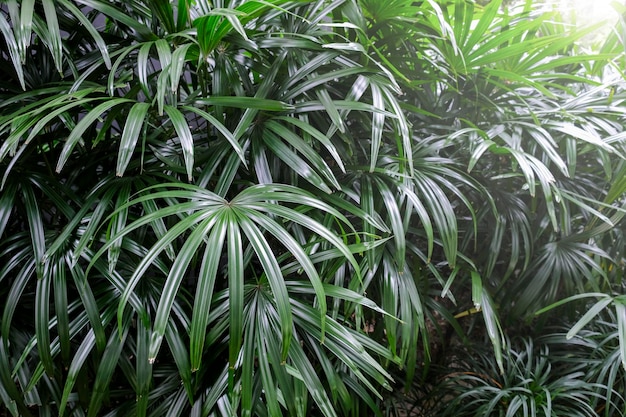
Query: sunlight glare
x=589 y=12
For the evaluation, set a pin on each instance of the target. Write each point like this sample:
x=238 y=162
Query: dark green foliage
x=535 y=381
x=290 y=208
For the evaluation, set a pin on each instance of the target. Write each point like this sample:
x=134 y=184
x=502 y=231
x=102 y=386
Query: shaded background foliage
x=292 y=208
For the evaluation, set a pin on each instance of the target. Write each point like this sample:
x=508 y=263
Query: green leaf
x=61 y=307
x=81 y=355
x=40 y=124
x=181 y=357
x=378 y=122
x=120 y=16
x=182 y=15
x=222 y=129
x=165 y=59
x=106 y=368
x=589 y=315
x=269 y=384
x=493 y=328
x=143 y=369
x=290 y=158
x=247 y=103
x=36 y=227
x=172 y=285
x=142 y=67
x=477 y=289
x=24 y=30
x=185 y=137
x=578 y=133
x=54 y=34
x=311 y=380
x=296 y=250
x=130 y=135
x=395 y=218
x=90 y=306
x=347 y=46
x=205 y=288
x=100 y=43
x=7 y=201
x=568 y=299
x=620 y=312
x=486 y=20
x=309 y=223
x=207 y=27
x=76 y=134
x=319 y=136
x=328 y=105
x=13 y=49
x=117 y=223
x=42 y=317
x=274 y=276
x=297 y=143
x=178 y=60
x=236 y=275
x=163 y=9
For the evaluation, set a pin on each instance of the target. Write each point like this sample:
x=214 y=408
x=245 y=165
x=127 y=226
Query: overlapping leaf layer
x=273 y=207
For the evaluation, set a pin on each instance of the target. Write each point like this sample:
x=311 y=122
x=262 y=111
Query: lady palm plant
x=598 y=344
x=527 y=139
x=164 y=264
x=533 y=383
x=538 y=133
x=259 y=207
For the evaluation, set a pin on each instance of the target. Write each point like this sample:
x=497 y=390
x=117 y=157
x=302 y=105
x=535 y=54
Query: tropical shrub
x=534 y=382
x=270 y=207
x=596 y=350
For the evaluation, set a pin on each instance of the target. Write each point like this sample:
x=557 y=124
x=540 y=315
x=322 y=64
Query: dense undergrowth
x=336 y=208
